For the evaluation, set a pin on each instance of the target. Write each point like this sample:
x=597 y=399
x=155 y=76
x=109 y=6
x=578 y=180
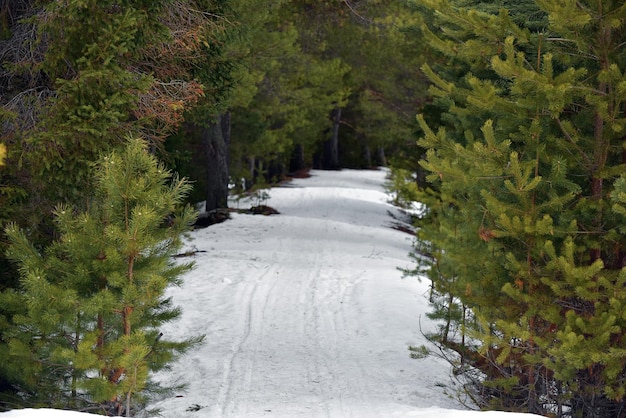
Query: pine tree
x=77 y=78
x=93 y=301
x=289 y=111
x=522 y=167
x=81 y=75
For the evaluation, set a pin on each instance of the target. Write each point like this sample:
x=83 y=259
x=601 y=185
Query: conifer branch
x=357 y=14
x=571 y=141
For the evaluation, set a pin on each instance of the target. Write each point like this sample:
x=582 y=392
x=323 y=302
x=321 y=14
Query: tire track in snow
x=316 y=331
x=328 y=329
x=305 y=324
x=323 y=376
x=335 y=330
x=273 y=292
x=232 y=383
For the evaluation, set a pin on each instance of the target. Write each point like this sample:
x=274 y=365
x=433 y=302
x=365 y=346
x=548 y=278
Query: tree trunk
x=216 y=138
x=382 y=159
x=331 y=146
x=251 y=179
x=367 y=152
x=297 y=159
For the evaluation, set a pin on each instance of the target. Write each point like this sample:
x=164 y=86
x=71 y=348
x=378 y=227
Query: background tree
x=280 y=73
x=201 y=147
x=378 y=120
x=380 y=90
x=278 y=130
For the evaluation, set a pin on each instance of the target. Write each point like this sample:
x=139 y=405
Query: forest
x=507 y=119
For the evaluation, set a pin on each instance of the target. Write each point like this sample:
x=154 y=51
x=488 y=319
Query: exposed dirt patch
x=300 y=174
x=217 y=216
x=211 y=218
x=403 y=228
x=262 y=210
x=402 y=222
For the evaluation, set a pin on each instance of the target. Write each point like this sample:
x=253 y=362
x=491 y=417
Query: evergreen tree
x=288 y=114
x=93 y=301
x=285 y=76
x=379 y=46
x=201 y=145
x=76 y=78
x=376 y=96
x=522 y=167
x=90 y=49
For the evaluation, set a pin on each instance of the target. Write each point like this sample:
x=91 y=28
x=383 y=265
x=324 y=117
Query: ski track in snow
x=305 y=313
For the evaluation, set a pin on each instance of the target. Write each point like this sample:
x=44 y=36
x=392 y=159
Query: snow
x=421 y=413
x=305 y=313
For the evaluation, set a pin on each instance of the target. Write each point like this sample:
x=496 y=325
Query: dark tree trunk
x=251 y=179
x=275 y=171
x=382 y=158
x=367 y=153
x=331 y=146
x=297 y=162
x=216 y=138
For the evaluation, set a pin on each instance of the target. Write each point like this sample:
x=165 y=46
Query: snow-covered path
x=305 y=313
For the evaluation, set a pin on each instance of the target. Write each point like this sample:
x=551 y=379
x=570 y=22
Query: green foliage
x=404 y=188
x=419 y=352
x=80 y=76
x=524 y=222
x=293 y=96
x=90 y=46
x=94 y=299
x=72 y=91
